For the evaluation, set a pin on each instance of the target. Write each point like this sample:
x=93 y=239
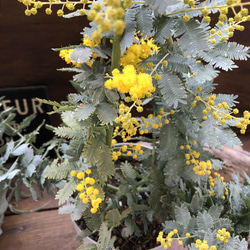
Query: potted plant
x=144 y=73
x=21 y=162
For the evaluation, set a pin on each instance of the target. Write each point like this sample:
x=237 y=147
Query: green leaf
x=113 y=218
x=169 y=140
x=223 y=223
x=106 y=113
x=100 y=52
x=163 y=32
x=196 y=203
x=26 y=122
x=171 y=225
x=204 y=221
x=179 y=63
x=8 y=150
x=193 y=39
x=105 y=241
x=3 y=206
x=165 y=6
x=64 y=193
x=68 y=132
x=88 y=246
x=143 y=17
x=80 y=55
x=105 y=165
x=83 y=112
x=231 y=50
x=128 y=171
x=98 y=95
x=126 y=212
x=112 y=95
x=215 y=211
x=59 y=170
x=10 y=174
x=129 y=33
x=131 y=225
x=182 y=215
x=172 y=90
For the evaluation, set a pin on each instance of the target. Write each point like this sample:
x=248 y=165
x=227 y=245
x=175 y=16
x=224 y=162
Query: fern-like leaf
x=69 y=133
x=165 y=6
x=204 y=221
x=105 y=241
x=164 y=30
x=172 y=89
x=143 y=19
x=182 y=215
x=88 y=246
x=113 y=218
x=169 y=140
x=64 y=193
x=83 y=112
x=112 y=95
x=193 y=37
x=219 y=61
x=128 y=171
x=105 y=165
x=129 y=33
x=231 y=50
x=171 y=225
x=179 y=63
x=59 y=171
x=106 y=113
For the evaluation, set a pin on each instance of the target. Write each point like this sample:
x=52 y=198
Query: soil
x=144 y=241
x=134 y=242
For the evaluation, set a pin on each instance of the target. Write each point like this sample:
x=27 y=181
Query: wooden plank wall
x=27 y=58
x=26 y=42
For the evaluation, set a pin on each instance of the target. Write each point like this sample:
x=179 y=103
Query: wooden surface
x=45 y=229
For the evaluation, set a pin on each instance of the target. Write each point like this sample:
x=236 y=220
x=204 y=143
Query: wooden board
x=40 y=230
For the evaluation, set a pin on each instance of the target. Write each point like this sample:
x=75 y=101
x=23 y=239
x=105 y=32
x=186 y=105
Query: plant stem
x=116 y=52
x=116 y=189
x=109 y=135
x=153 y=152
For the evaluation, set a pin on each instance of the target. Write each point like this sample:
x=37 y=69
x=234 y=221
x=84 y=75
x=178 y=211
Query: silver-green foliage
x=19 y=160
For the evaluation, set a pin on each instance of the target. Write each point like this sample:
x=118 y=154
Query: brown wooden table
x=45 y=229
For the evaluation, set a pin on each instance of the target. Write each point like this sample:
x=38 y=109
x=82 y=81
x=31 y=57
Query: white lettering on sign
x=22 y=105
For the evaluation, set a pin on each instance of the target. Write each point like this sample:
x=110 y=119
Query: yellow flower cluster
x=138 y=51
x=137 y=85
x=223 y=235
x=200 y=167
x=33 y=5
x=112 y=17
x=203 y=168
x=220 y=111
x=203 y=245
x=212 y=183
x=65 y=53
x=86 y=188
x=241 y=16
x=129 y=126
x=129 y=149
x=166 y=242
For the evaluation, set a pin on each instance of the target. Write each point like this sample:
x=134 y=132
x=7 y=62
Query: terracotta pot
x=174 y=246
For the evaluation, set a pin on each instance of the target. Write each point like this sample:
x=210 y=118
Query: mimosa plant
x=145 y=73
x=21 y=163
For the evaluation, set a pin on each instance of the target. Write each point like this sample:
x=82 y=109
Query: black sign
x=26 y=103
